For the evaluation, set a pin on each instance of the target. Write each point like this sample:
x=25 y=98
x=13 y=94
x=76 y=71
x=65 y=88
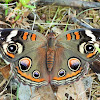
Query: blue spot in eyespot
x=36 y=74
x=61 y=73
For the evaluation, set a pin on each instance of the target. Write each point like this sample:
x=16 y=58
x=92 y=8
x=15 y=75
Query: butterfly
x=38 y=60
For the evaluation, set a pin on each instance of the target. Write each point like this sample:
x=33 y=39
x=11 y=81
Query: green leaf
x=98 y=49
x=8 y=1
x=48 y=21
x=24 y=2
x=17 y=17
x=66 y=25
x=28 y=6
x=6 y=10
x=17 y=92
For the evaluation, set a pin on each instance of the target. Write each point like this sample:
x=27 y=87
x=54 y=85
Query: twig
x=72 y=3
x=3 y=82
x=3 y=91
x=75 y=20
x=5 y=88
x=8 y=4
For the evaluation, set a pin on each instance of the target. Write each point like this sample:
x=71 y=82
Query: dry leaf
x=44 y=93
x=72 y=92
x=5 y=71
x=3 y=23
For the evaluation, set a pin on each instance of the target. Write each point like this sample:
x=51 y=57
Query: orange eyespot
x=74 y=64
x=25 y=64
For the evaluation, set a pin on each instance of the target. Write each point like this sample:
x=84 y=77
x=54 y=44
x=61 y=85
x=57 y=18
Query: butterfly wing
x=16 y=42
x=74 y=49
x=26 y=50
x=31 y=68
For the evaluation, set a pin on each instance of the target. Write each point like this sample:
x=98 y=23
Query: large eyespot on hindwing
x=36 y=74
x=74 y=64
x=25 y=64
x=61 y=73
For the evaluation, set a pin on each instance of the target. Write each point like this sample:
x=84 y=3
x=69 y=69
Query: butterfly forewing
x=15 y=43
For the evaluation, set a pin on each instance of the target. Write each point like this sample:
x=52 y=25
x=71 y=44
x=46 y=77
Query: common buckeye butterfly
x=38 y=60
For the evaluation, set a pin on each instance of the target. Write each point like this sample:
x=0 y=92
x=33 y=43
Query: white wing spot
x=89 y=33
x=12 y=34
x=20 y=48
x=0 y=33
x=5 y=47
x=81 y=47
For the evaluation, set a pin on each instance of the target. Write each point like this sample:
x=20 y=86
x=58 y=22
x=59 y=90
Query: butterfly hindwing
x=31 y=68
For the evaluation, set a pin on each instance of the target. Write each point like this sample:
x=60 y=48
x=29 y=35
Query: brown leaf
x=5 y=71
x=96 y=66
x=73 y=91
x=44 y=93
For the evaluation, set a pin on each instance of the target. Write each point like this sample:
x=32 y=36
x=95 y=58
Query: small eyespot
x=36 y=74
x=74 y=64
x=89 y=48
x=25 y=64
x=61 y=73
x=12 y=48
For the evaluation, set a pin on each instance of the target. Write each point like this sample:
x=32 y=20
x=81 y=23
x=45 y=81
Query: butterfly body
x=50 y=50
x=38 y=60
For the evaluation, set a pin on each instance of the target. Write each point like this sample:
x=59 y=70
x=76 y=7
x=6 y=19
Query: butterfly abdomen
x=50 y=59
x=50 y=50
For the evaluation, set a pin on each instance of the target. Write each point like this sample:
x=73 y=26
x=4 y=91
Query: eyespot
x=74 y=64
x=61 y=73
x=89 y=48
x=12 y=48
x=25 y=64
x=36 y=74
